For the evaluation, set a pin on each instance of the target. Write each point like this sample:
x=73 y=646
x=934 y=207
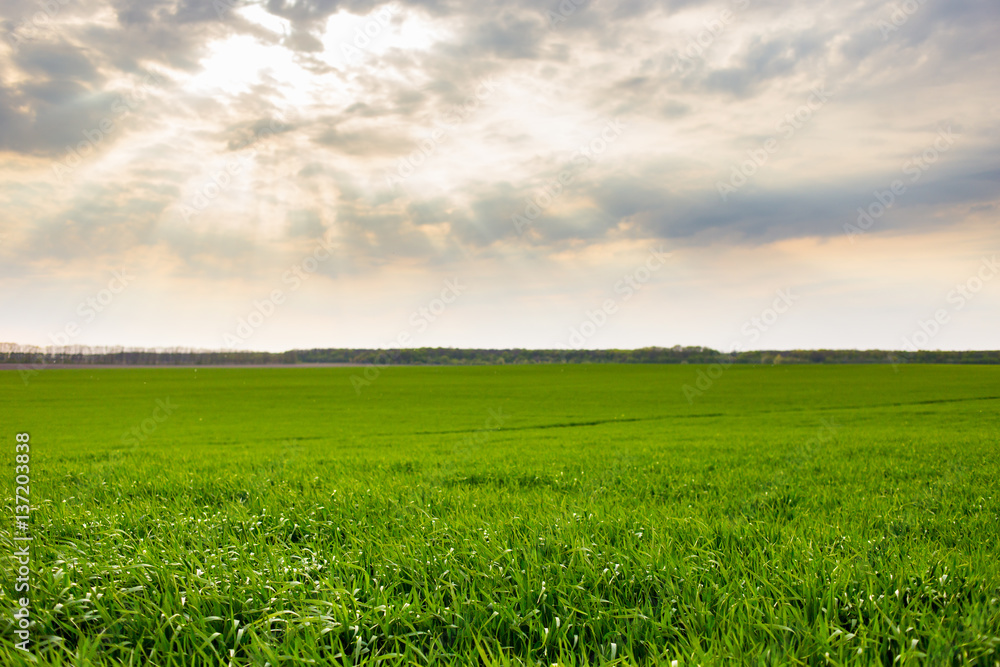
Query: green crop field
x=561 y=514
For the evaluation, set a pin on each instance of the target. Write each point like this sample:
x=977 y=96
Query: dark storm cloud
x=764 y=60
x=762 y=214
x=955 y=29
x=248 y=134
x=110 y=218
x=55 y=103
x=309 y=12
x=62 y=88
x=506 y=36
x=752 y=215
x=305 y=223
x=43 y=118
x=364 y=141
x=58 y=61
x=382 y=237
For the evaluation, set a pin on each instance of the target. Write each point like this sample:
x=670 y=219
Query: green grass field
x=577 y=514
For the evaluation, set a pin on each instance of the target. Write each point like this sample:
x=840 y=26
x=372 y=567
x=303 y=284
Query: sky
x=742 y=174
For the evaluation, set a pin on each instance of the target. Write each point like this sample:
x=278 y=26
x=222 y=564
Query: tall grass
x=807 y=515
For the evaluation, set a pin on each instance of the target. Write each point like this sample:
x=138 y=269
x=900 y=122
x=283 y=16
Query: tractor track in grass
x=600 y=422
x=596 y=422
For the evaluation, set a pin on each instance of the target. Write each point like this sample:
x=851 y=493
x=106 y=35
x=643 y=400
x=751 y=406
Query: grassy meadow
x=548 y=514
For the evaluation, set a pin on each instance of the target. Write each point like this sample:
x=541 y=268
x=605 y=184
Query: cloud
x=344 y=126
x=762 y=61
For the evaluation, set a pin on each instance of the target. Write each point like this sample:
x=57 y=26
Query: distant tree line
x=11 y=353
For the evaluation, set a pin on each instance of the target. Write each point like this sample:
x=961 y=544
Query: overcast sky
x=318 y=173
